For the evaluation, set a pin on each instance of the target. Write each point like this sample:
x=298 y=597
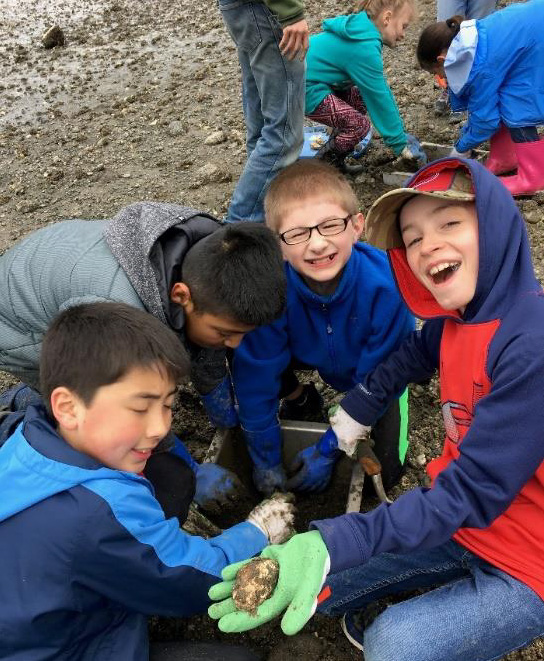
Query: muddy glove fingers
x=413 y=151
x=348 y=431
x=216 y=487
x=275 y=517
x=311 y=470
x=268 y=480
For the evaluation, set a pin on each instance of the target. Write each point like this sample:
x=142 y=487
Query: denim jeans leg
x=389 y=573
x=480 y=617
x=467 y=8
x=273 y=101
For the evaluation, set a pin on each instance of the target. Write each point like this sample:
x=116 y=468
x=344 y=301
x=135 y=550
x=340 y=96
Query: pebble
x=215 y=138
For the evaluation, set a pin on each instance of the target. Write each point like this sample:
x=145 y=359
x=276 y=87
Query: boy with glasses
x=343 y=317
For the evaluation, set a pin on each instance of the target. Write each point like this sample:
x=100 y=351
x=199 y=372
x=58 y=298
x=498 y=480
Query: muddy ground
x=143 y=102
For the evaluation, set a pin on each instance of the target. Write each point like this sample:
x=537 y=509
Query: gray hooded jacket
x=133 y=258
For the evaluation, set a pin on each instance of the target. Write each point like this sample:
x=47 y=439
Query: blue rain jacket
x=506 y=81
x=86 y=552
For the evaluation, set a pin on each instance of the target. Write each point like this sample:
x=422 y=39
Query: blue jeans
x=478 y=613
x=467 y=8
x=273 y=103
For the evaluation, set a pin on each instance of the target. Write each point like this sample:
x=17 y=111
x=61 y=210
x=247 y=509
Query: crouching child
x=85 y=548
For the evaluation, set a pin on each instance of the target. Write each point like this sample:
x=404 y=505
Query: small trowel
x=367 y=463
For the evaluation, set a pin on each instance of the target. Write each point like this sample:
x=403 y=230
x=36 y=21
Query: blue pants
x=478 y=613
x=273 y=103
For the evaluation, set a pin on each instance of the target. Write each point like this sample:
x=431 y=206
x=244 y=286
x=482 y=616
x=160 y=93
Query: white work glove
x=460 y=154
x=348 y=431
x=275 y=516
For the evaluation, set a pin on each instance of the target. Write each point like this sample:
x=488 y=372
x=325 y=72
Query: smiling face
x=320 y=260
x=124 y=421
x=441 y=240
x=392 y=24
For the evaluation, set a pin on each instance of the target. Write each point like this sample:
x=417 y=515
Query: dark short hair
x=435 y=39
x=95 y=344
x=237 y=272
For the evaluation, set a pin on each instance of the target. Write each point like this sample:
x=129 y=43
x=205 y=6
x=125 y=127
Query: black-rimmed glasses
x=325 y=228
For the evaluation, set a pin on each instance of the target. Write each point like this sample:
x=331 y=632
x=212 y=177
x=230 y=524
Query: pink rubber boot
x=502 y=157
x=530 y=176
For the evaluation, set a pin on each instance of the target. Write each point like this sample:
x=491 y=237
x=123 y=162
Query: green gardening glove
x=304 y=564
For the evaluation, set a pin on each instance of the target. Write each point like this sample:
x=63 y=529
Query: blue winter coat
x=488 y=485
x=506 y=81
x=343 y=336
x=86 y=552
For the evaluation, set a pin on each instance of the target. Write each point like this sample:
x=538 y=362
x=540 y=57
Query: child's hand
x=295 y=40
x=275 y=517
x=304 y=564
x=348 y=431
x=413 y=151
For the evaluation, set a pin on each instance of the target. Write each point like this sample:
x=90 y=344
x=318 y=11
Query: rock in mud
x=53 y=36
x=255 y=582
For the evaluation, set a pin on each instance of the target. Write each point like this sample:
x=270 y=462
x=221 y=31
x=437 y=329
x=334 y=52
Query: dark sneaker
x=352 y=627
x=307 y=406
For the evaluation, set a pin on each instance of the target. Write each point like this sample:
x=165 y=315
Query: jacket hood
x=505 y=268
x=31 y=458
x=357 y=27
x=150 y=241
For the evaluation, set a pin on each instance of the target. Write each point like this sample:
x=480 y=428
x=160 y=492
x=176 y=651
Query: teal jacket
x=349 y=52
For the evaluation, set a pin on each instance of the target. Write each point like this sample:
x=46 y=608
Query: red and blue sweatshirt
x=487 y=488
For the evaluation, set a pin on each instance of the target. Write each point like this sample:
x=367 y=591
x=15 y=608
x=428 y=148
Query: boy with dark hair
x=343 y=316
x=462 y=261
x=151 y=256
x=85 y=549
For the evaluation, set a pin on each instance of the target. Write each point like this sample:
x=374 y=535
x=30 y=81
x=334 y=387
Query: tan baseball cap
x=442 y=179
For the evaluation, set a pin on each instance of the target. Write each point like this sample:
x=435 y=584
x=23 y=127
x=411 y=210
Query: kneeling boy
x=462 y=260
x=85 y=548
x=343 y=317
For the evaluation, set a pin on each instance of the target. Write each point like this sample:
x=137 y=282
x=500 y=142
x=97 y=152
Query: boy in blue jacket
x=343 y=317
x=461 y=257
x=85 y=548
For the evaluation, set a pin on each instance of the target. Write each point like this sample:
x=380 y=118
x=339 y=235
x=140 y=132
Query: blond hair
x=374 y=8
x=307 y=179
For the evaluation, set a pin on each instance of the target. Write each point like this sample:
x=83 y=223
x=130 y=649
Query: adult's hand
x=295 y=40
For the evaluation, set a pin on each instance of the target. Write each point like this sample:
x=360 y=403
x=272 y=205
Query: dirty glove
x=413 y=151
x=460 y=154
x=304 y=564
x=219 y=405
x=313 y=465
x=264 y=448
x=275 y=517
x=216 y=487
x=348 y=431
